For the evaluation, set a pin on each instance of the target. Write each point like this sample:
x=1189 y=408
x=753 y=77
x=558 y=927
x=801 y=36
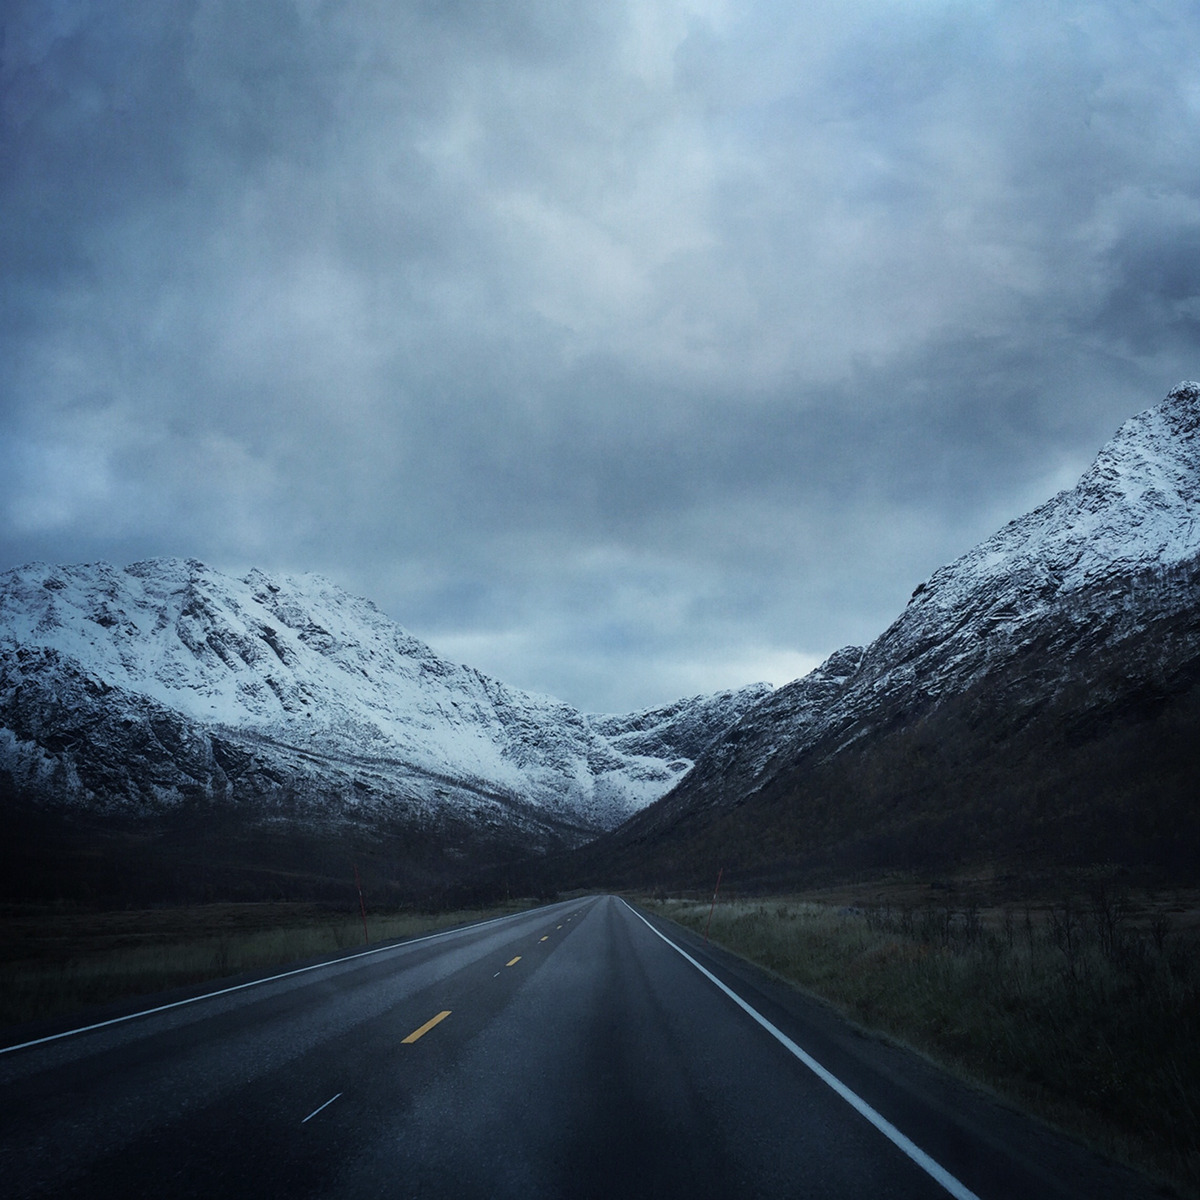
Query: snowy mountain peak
x=1153 y=462
x=1094 y=567
x=333 y=696
x=684 y=727
x=1137 y=505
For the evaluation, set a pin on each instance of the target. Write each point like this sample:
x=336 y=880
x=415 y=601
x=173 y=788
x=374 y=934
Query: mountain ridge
x=134 y=691
x=1038 y=696
x=1094 y=594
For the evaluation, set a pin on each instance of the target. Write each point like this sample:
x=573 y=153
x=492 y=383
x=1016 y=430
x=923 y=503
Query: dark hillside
x=1036 y=701
x=1097 y=762
x=204 y=852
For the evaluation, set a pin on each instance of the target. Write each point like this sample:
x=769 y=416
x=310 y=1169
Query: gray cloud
x=624 y=352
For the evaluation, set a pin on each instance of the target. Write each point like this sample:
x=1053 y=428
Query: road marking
x=933 y=1169
x=545 y=939
x=560 y=927
x=420 y=1033
x=237 y=987
x=512 y=962
x=321 y=1109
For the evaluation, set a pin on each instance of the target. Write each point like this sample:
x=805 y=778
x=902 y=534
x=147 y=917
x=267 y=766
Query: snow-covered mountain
x=135 y=690
x=683 y=728
x=1041 y=691
x=1088 y=605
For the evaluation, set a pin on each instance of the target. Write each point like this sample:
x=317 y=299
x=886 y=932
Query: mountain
x=169 y=692
x=684 y=728
x=1036 y=703
x=1037 y=700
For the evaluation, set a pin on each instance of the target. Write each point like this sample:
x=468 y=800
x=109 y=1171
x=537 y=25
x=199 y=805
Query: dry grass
x=1085 y=1012
x=56 y=961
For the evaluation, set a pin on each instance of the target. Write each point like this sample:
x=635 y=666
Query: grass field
x=1084 y=1010
x=58 y=960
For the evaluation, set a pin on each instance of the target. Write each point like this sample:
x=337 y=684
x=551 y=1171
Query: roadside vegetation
x=1085 y=1011
x=56 y=960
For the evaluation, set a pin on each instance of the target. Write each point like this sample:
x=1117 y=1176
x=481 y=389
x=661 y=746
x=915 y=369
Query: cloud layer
x=621 y=350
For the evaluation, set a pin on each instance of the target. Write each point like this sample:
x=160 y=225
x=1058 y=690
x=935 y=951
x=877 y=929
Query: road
x=577 y=1050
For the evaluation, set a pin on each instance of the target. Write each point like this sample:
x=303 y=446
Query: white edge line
x=934 y=1169
x=146 y=1012
x=321 y=1109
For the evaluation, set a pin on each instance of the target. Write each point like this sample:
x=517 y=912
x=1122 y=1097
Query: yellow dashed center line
x=546 y=938
x=512 y=962
x=419 y=1033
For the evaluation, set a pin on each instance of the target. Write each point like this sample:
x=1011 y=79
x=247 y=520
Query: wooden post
x=714 y=902
x=362 y=907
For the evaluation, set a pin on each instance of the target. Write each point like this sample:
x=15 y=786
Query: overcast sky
x=623 y=351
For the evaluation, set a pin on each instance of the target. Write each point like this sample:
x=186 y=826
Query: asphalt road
x=572 y=1051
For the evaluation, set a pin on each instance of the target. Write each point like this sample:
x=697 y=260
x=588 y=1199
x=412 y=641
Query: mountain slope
x=167 y=686
x=964 y=728
x=684 y=728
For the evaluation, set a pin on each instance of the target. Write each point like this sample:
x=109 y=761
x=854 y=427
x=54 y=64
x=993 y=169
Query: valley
x=977 y=834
